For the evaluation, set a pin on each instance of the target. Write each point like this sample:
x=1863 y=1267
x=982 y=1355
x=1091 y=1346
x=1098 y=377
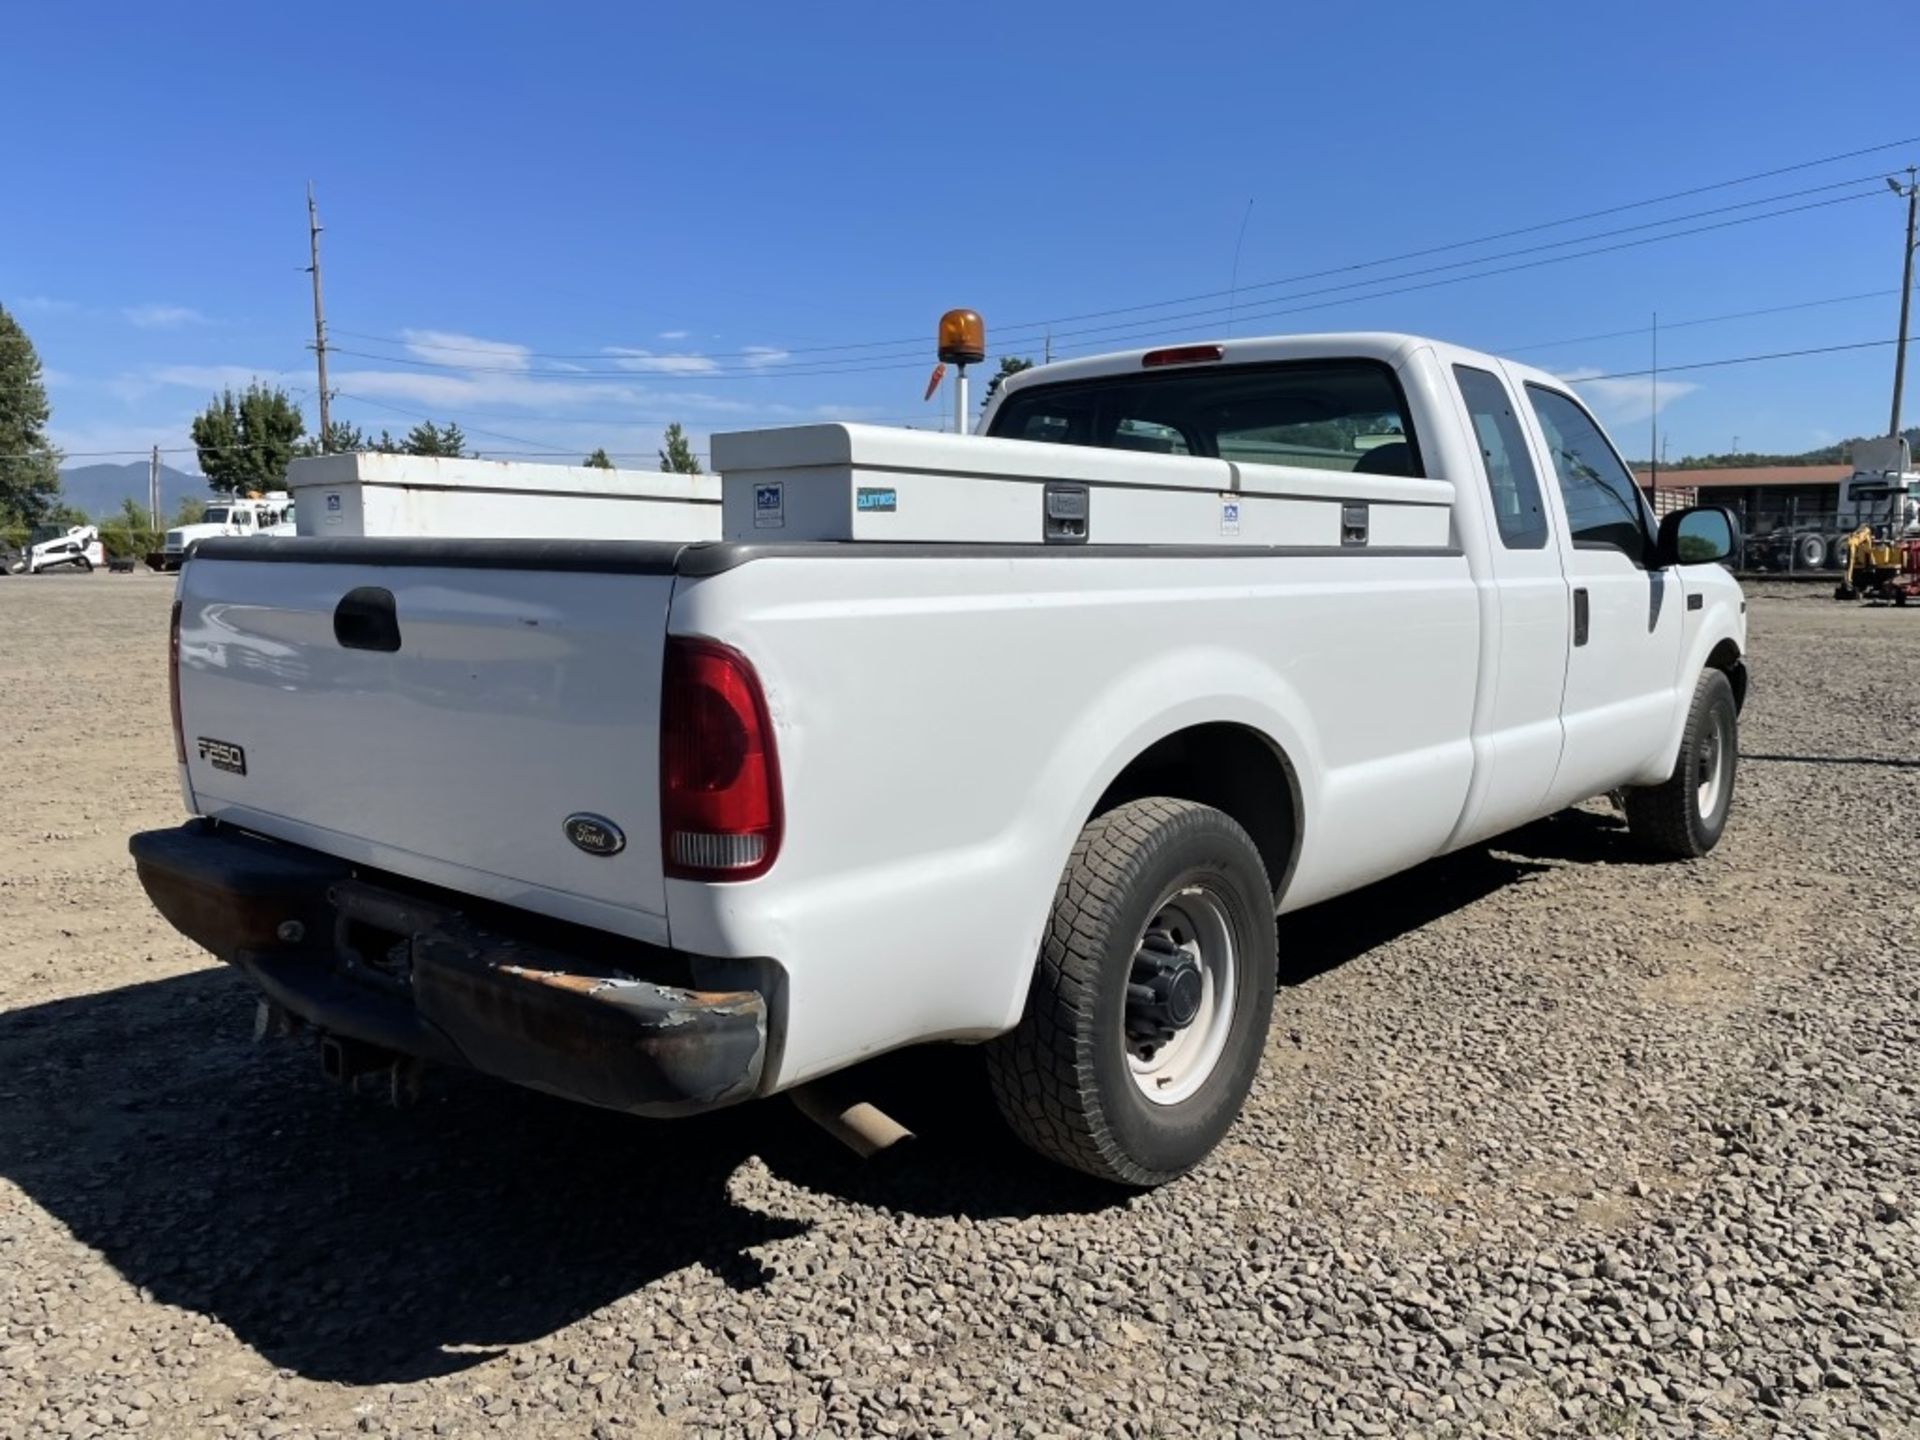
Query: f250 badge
x=595 y=834
x=223 y=755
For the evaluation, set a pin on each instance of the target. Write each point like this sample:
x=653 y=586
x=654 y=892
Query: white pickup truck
x=1020 y=739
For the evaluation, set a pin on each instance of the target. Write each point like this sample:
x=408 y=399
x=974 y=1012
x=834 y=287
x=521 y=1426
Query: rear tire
x=1682 y=817
x=1153 y=883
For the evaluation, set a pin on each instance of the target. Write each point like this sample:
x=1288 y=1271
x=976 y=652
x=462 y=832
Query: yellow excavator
x=1879 y=568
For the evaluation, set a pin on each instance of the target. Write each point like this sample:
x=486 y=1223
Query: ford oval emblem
x=595 y=834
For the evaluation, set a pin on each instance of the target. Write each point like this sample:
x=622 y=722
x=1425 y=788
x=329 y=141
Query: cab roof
x=1392 y=347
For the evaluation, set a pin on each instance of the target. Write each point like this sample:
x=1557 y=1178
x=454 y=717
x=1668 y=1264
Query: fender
x=1216 y=685
x=1721 y=617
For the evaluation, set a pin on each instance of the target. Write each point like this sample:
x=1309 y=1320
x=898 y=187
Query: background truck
x=235 y=516
x=1883 y=492
x=1020 y=739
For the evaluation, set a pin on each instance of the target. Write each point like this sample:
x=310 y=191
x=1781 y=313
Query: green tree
x=1009 y=365
x=342 y=439
x=599 y=460
x=245 y=441
x=29 y=465
x=676 y=454
x=191 y=511
x=130 y=532
x=427 y=438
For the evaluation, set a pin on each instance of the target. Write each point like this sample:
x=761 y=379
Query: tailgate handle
x=365 y=620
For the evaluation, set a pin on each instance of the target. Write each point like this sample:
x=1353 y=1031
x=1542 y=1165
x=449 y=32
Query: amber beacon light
x=963 y=342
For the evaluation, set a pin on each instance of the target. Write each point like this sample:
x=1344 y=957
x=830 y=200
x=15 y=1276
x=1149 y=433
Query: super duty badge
x=223 y=755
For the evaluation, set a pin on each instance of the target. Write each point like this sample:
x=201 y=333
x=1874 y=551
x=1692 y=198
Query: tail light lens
x=719 y=777
x=173 y=684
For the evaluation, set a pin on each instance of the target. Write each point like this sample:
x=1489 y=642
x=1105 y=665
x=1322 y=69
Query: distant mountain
x=99 y=489
x=1838 y=453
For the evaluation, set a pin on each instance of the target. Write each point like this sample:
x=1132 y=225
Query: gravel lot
x=1547 y=1142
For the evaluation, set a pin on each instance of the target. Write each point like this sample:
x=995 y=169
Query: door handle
x=1580 y=616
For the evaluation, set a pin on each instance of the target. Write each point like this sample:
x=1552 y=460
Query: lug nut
x=291 y=932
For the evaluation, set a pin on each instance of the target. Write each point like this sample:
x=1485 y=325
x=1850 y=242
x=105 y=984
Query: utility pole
x=319 y=312
x=1912 y=191
x=153 y=486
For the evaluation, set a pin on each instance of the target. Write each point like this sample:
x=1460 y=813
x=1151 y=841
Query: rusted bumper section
x=410 y=973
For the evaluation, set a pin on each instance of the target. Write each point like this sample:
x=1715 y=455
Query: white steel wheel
x=1711 y=762
x=1181 y=999
x=1150 y=998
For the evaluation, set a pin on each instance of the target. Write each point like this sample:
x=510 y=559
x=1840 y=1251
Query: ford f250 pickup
x=1020 y=738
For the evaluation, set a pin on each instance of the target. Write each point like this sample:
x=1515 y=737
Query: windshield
x=216 y=516
x=1326 y=414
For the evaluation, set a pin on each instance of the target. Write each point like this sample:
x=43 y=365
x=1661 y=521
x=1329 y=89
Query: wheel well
x=1233 y=769
x=1726 y=657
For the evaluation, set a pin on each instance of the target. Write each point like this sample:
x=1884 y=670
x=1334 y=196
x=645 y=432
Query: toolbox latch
x=1064 y=514
x=1353 y=523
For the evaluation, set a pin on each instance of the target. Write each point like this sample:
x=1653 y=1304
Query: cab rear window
x=1326 y=414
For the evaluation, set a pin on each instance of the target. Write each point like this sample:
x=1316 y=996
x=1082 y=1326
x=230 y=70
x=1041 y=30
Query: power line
x=421 y=415
x=1279 y=310
x=1018 y=326
x=1280 y=306
x=1665 y=369
x=1639 y=330
x=1737 y=360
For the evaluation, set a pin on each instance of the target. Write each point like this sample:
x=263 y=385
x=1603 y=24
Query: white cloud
x=646 y=361
x=44 y=305
x=211 y=377
x=674 y=334
x=163 y=317
x=758 y=355
x=446 y=347
x=1627 y=399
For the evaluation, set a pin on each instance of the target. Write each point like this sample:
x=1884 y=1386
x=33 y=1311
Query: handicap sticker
x=1229 y=517
x=770 y=506
x=333 y=502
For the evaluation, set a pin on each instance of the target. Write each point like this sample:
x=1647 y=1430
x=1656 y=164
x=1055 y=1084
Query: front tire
x=1682 y=817
x=1151 y=998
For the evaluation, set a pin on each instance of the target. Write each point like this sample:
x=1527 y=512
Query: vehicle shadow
x=1891 y=762
x=352 y=1242
x=1326 y=936
x=355 y=1243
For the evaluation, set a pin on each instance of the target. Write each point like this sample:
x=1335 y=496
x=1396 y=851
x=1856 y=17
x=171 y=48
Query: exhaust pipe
x=863 y=1128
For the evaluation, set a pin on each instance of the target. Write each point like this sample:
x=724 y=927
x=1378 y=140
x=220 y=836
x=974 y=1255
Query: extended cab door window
x=1603 y=504
x=1512 y=486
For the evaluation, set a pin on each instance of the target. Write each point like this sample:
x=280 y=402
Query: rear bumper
x=417 y=976
x=165 y=561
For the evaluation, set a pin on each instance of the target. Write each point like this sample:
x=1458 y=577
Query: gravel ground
x=1547 y=1142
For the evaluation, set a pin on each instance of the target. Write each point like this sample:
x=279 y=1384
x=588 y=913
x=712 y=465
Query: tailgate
x=450 y=734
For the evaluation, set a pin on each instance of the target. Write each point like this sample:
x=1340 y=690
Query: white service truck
x=1020 y=739
x=236 y=516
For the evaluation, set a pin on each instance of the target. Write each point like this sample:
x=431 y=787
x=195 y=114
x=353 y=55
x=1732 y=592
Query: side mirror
x=1697 y=536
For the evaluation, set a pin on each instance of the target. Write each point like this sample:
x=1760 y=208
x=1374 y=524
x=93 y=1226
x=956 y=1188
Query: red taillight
x=719 y=777
x=1183 y=355
x=173 y=684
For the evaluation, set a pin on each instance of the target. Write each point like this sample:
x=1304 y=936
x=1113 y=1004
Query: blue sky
x=682 y=203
